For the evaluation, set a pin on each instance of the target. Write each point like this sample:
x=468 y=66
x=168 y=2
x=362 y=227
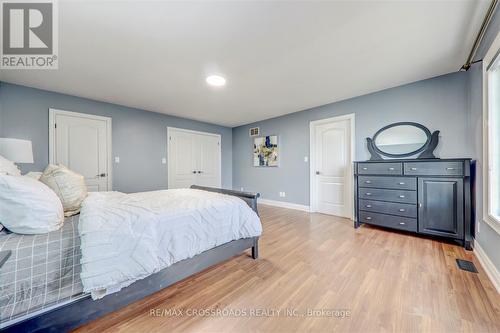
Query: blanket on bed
x=127 y=237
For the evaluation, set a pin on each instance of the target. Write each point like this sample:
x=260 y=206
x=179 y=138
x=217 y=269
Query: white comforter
x=127 y=237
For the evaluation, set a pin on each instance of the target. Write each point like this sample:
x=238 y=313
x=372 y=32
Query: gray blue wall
x=488 y=238
x=439 y=103
x=139 y=137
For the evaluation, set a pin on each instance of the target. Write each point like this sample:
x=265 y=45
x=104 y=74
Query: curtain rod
x=480 y=35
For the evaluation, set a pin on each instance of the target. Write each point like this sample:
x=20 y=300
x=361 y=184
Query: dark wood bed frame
x=74 y=314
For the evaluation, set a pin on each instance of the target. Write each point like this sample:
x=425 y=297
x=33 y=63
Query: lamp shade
x=16 y=150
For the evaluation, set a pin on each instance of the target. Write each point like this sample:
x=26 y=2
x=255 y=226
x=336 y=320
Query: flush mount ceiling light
x=216 y=80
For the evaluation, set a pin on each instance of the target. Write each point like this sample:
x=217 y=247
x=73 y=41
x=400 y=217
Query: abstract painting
x=265 y=151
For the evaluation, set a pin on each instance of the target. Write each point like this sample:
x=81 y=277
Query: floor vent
x=466 y=265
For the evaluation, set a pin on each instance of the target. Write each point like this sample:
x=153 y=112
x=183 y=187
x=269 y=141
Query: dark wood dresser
x=424 y=196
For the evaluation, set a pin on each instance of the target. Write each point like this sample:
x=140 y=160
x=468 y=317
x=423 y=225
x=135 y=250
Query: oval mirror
x=401 y=139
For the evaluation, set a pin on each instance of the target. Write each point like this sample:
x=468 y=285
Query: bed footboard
x=249 y=197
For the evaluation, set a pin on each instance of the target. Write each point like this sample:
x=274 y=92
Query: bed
x=41 y=289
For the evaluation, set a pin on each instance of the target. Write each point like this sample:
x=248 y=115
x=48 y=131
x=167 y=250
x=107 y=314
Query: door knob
x=194 y=171
x=102 y=175
x=200 y=171
x=317 y=172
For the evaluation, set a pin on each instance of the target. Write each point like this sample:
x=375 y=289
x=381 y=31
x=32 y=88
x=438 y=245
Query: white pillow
x=68 y=185
x=8 y=168
x=28 y=206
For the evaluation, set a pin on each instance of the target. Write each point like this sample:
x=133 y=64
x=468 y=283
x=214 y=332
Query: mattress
x=43 y=271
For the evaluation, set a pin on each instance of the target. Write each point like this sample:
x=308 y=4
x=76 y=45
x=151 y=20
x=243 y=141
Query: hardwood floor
x=384 y=280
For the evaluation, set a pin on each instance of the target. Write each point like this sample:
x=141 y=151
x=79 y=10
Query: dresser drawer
x=403 y=183
x=395 y=222
x=434 y=168
x=380 y=168
x=392 y=208
x=388 y=195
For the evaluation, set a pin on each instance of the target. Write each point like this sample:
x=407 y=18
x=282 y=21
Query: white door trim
x=312 y=158
x=108 y=120
x=176 y=129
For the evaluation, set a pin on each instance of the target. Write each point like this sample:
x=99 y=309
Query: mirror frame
x=426 y=151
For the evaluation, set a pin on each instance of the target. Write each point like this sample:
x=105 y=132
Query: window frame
x=490 y=56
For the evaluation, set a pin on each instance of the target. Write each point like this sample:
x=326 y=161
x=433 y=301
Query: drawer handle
x=413 y=169
x=401 y=196
x=402 y=183
x=402 y=223
x=365 y=168
x=402 y=210
x=450 y=168
x=368 y=206
x=391 y=169
x=368 y=218
x=368 y=181
x=368 y=193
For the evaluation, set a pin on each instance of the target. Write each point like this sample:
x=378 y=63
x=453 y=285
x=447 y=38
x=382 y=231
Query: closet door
x=182 y=159
x=194 y=158
x=209 y=161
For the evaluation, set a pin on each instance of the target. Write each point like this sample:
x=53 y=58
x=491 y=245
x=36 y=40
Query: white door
x=82 y=143
x=331 y=149
x=209 y=159
x=182 y=169
x=194 y=158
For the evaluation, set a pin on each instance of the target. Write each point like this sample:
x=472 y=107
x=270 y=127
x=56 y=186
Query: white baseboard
x=488 y=266
x=284 y=204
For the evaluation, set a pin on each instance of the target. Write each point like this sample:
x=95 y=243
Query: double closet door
x=194 y=158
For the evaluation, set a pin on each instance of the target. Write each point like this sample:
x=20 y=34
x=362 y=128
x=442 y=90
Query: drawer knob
x=401 y=183
x=368 y=181
x=402 y=223
x=365 y=168
x=401 y=196
x=391 y=169
x=450 y=168
x=402 y=210
x=368 y=193
x=368 y=218
x=413 y=169
x=368 y=206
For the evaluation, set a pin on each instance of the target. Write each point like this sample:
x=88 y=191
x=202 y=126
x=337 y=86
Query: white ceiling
x=278 y=57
